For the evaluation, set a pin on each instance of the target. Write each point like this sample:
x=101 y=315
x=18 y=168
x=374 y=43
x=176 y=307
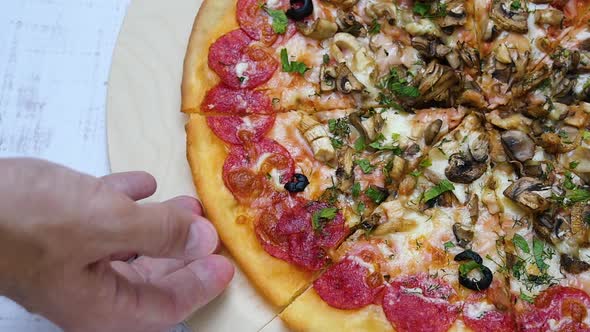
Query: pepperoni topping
x=254 y=172
x=293 y=238
x=256 y=22
x=558 y=308
x=251 y=127
x=347 y=285
x=412 y=303
x=239 y=62
x=480 y=316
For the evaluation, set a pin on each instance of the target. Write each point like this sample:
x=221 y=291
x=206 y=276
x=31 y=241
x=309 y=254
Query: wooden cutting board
x=146 y=132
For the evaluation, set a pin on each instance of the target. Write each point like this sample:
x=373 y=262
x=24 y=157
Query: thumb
x=172 y=229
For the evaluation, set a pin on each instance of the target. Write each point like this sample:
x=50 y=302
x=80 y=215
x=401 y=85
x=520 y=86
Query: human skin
x=66 y=239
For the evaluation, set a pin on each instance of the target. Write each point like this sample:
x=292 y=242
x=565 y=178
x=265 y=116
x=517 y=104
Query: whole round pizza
x=400 y=165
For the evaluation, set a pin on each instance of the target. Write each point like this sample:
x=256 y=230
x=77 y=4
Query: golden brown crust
x=215 y=18
x=279 y=281
x=310 y=313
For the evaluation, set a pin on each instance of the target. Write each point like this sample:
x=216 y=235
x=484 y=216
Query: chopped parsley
x=356 y=190
x=326 y=59
x=421 y=8
x=365 y=166
x=375 y=27
x=378 y=145
x=320 y=217
x=292 y=66
x=426 y=163
x=539 y=254
x=586 y=134
x=515 y=5
x=449 y=245
x=339 y=127
x=397 y=85
x=439 y=189
x=279 y=20
x=376 y=195
x=416 y=173
x=360 y=208
x=578 y=196
x=521 y=243
x=464 y=269
x=360 y=145
x=574 y=164
x=526 y=298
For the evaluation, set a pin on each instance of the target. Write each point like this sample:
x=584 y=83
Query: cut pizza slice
x=431 y=249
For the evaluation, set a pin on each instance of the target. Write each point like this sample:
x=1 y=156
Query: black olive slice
x=297 y=184
x=477 y=285
x=300 y=9
x=469 y=255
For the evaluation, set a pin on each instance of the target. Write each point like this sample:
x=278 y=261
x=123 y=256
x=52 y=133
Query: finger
x=136 y=185
x=197 y=284
x=146 y=269
x=169 y=230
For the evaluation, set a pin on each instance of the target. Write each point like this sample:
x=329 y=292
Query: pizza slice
x=432 y=248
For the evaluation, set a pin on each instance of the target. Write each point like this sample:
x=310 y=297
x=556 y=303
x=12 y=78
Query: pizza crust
x=310 y=313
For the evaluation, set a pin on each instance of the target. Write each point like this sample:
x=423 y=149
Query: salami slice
x=251 y=114
x=558 y=308
x=293 y=238
x=239 y=62
x=480 y=316
x=347 y=285
x=256 y=22
x=254 y=171
x=420 y=303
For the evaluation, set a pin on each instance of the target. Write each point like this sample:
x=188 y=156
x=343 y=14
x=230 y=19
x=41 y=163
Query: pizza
x=398 y=165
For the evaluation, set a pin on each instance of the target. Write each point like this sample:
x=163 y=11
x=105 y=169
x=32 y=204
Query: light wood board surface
x=146 y=131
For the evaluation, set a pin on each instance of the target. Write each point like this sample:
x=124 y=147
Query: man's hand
x=65 y=238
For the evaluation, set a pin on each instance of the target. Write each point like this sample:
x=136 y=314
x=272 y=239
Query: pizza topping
x=328 y=75
x=346 y=284
x=529 y=193
x=346 y=82
x=509 y=17
x=563 y=307
x=464 y=168
x=309 y=231
x=411 y=302
x=300 y=9
x=257 y=20
x=436 y=83
x=549 y=16
x=348 y=23
x=249 y=114
x=482 y=317
x=240 y=63
x=248 y=170
x=318 y=138
x=297 y=184
x=518 y=145
x=463 y=235
x=474 y=263
x=319 y=29
x=573 y=265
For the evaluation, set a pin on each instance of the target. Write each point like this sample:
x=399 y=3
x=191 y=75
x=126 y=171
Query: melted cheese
x=397 y=123
x=477 y=310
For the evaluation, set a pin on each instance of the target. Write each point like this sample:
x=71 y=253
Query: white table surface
x=55 y=57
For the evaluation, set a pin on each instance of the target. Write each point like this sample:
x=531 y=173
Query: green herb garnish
x=376 y=195
x=292 y=66
x=356 y=190
x=279 y=20
x=320 y=217
x=521 y=243
x=365 y=166
x=539 y=254
x=441 y=188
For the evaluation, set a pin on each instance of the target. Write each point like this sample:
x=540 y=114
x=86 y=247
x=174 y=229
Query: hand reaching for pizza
x=65 y=238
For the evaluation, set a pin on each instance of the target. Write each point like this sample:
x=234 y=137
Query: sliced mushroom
x=398 y=168
x=343 y=42
x=463 y=235
x=531 y=81
x=318 y=138
x=346 y=162
x=507 y=18
x=382 y=10
x=432 y=131
x=455 y=14
x=526 y=191
x=480 y=148
x=518 y=145
x=473 y=207
x=346 y=82
x=490 y=31
x=472 y=95
x=469 y=55
x=348 y=23
x=424 y=27
x=464 y=169
x=320 y=29
x=549 y=16
x=328 y=75
x=573 y=265
x=436 y=82
x=565 y=140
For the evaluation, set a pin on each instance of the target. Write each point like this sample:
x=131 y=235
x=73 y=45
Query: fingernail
x=202 y=240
